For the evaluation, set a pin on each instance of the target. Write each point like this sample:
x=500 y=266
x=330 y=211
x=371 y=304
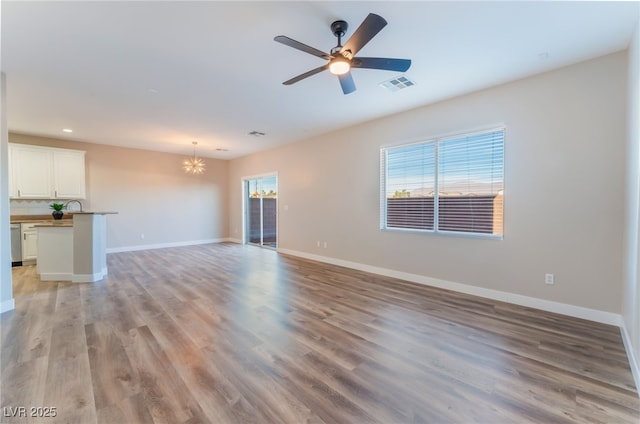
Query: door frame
x=245 y=210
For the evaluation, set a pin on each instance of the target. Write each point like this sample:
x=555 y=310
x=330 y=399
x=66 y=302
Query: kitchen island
x=73 y=250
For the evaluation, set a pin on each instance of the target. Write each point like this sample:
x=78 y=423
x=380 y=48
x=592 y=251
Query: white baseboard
x=518 y=299
x=633 y=361
x=56 y=276
x=7 y=305
x=164 y=245
x=89 y=278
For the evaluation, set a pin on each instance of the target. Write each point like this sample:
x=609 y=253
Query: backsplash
x=39 y=207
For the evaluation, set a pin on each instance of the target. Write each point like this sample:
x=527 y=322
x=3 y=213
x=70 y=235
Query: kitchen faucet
x=66 y=205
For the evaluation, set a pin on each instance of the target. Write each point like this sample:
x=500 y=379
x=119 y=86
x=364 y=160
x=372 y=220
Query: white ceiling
x=158 y=75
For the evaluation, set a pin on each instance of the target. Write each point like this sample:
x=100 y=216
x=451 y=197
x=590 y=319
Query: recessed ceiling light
x=219 y=149
x=67 y=130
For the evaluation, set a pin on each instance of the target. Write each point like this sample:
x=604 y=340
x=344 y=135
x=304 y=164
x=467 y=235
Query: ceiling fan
x=342 y=58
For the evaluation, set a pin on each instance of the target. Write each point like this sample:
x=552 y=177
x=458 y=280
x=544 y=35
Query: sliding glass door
x=261 y=211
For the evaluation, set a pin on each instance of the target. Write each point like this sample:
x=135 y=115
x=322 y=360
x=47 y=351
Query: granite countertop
x=68 y=216
x=18 y=219
x=55 y=223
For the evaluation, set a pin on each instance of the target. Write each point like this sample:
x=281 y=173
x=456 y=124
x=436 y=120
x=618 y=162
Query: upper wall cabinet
x=46 y=173
x=68 y=174
x=31 y=172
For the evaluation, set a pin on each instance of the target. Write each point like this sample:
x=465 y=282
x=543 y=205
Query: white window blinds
x=452 y=184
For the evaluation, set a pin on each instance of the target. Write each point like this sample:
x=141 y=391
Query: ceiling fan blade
x=306 y=75
x=368 y=29
x=300 y=46
x=398 y=65
x=346 y=82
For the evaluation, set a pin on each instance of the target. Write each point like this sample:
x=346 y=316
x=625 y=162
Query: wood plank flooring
x=225 y=333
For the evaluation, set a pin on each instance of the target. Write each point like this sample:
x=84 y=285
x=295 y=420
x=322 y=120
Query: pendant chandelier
x=194 y=165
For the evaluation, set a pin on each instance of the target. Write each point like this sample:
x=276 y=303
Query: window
x=453 y=184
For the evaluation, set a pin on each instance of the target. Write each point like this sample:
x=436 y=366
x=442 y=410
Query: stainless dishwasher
x=16 y=245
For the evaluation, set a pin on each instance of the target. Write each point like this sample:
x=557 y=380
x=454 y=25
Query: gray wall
x=564 y=195
x=6 y=290
x=631 y=285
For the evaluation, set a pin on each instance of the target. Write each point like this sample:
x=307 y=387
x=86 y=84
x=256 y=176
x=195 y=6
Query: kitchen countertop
x=19 y=219
x=68 y=216
x=94 y=213
x=56 y=223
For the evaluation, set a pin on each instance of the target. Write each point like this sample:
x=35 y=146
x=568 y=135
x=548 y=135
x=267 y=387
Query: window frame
x=436 y=141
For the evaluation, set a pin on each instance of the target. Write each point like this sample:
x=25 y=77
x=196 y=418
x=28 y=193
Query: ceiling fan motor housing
x=339 y=28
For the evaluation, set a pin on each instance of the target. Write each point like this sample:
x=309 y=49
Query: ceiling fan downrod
x=339 y=28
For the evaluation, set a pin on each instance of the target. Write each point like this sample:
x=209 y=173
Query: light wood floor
x=230 y=333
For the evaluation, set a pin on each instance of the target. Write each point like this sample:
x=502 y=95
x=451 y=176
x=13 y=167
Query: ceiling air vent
x=257 y=133
x=397 y=83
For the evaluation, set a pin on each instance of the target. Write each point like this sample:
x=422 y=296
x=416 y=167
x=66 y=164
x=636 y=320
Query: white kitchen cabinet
x=29 y=242
x=31 y=170
x=46 y=173
x=68 y=174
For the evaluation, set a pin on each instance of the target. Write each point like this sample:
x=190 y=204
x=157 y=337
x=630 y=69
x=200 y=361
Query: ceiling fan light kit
x=342 y=58
x=339 y=66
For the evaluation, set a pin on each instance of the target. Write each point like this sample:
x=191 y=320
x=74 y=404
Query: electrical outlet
x=325 y=244
x=549 y=279
x=318 y=243
x=141 y=236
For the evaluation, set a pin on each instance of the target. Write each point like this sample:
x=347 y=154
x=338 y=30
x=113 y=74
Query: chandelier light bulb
x=194 y=165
